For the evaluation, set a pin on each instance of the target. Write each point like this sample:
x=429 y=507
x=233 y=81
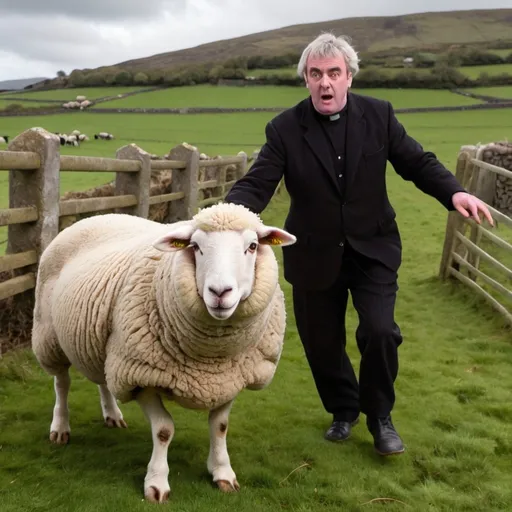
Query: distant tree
x=61 y=74
x=141 y=78
x=123 y=78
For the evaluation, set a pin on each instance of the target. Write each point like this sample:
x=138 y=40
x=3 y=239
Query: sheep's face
x=225 y=262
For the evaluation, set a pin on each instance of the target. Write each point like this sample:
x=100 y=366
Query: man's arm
x=256 y=188
x=421 y=167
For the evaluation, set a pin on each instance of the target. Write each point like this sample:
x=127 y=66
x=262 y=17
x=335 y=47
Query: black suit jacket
x=322 y=216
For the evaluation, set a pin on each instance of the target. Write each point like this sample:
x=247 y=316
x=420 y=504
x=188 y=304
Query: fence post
x=455 y=220
x=185 y=181
x=39 y=188
x=135 y=183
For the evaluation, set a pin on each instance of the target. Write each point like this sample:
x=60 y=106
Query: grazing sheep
x=81 y=98
x=103 y=136
x=191 y=311
x=4 y=139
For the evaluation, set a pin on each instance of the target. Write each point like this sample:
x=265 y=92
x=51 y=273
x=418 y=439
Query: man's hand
x=470 y=206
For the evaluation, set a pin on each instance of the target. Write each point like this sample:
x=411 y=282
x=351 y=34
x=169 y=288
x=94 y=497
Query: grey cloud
x=99 y=10
x=42 y=36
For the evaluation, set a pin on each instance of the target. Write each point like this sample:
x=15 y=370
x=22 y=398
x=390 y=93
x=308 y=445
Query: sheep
x=103 y=136
x=191 y=311
x=81 y=98
x=4 y=139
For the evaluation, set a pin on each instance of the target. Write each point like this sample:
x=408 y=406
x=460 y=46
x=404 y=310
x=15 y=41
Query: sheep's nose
x=220 y=291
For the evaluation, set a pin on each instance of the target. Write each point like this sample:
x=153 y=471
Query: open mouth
x=327 y=97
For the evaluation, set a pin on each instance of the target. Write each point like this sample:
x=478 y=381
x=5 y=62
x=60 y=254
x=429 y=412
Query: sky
x=40 y=37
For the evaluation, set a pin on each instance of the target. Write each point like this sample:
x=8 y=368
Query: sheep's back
x=82 y=273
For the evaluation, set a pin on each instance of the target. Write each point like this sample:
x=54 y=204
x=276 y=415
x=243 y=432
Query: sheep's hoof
x=226 y=486
x=154 y=495
x=59 y=437
x=115 y=422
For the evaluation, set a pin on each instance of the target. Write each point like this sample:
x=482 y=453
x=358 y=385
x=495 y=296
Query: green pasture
x=274 y=96
x=71 y=94
x=497 y=92
x=491 y=70
x=25 y=104
x=453 y=391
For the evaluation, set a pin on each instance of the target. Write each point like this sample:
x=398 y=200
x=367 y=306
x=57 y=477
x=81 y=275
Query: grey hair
x=328 y=45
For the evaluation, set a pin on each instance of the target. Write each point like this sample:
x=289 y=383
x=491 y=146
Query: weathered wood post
x=455 y=220
x=35 y=194
x=39 y=188
x=185 y=181
x=135 y=183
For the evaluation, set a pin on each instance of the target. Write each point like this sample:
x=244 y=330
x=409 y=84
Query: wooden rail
x=464 y=256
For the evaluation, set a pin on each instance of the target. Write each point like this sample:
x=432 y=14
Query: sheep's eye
x=194 y=246
x=253 y=247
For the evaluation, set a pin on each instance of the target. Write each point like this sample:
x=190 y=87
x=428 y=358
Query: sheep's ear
x=269 y=235
x=175 y=240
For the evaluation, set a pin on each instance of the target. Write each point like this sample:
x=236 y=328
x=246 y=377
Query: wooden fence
x=34 y=162
x=468 y=245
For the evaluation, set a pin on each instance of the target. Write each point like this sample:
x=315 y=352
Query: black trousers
x=320 y=319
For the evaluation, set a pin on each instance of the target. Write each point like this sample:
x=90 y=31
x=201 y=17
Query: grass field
x=71 y=94
x=498 y=92
x=25 y=104
x=453 y=391
x=274 y=96
x=475 y=71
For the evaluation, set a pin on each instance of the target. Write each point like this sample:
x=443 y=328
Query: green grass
x=498 y=92
x=25 y=104
x=214 y=96
x=275 y=96
x=453 y=391
x=492 y=70
x=71 y=94
x=410 y=98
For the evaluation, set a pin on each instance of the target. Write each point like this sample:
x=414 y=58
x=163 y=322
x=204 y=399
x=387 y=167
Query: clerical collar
x=331 y=117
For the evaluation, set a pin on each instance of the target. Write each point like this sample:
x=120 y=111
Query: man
x=332 y=150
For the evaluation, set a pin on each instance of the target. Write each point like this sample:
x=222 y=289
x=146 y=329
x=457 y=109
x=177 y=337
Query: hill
x=369 y=35
x=17 y=85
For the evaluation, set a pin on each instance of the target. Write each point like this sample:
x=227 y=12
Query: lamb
x=190 y=311
x=4 y=139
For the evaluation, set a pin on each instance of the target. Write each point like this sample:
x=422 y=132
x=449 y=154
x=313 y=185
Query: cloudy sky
x=40 y=37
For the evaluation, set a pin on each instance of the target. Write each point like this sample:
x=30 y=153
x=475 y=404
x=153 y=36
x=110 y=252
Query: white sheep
x=81 y=98
x=103 y=136
x=191 y=311
x=4 y=139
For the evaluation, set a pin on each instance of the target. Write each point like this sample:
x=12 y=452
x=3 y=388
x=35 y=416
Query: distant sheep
x=103 y=136
x=4 y=139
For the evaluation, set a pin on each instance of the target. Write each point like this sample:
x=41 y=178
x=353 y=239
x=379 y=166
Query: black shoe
x=340 y=430
x=385 y=437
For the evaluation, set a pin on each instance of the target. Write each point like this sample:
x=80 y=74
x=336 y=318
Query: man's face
x=328 y=80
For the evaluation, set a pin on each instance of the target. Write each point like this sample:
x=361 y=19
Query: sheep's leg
x=156 y=483
x=59 y=429
x=111 y=413
x=219 y=464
